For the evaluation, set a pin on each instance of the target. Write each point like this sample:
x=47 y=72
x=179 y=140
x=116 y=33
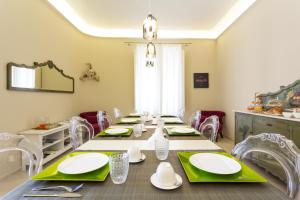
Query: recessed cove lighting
x=230 y=17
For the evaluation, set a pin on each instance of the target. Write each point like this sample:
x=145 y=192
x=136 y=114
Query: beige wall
x=258 y=53
x=32 y=30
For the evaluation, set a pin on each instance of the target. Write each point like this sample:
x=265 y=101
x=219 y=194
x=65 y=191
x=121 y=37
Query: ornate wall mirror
x=41 y=77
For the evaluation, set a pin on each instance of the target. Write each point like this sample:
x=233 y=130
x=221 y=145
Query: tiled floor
x=19 y=177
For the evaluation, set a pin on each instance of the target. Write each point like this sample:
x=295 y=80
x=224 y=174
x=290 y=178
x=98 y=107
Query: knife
x=63 y=195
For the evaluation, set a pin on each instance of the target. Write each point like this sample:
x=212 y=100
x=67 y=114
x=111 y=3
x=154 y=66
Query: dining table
x=138 y=185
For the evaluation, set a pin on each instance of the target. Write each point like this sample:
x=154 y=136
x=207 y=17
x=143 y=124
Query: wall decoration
x=89 y=74
x=201 y=80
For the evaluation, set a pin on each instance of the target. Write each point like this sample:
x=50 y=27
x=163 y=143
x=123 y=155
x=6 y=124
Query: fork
x=62 y=187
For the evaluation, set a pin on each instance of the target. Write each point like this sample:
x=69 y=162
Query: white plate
x=116 y=131
x=83 y=163
x=135 y=114
x=140 y=160
x=170 y=120
x=183 y=130
x=215 y=163
x=154 y=182
x=129 y=120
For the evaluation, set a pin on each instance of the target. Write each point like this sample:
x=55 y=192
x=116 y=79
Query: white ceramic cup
x=134 y=153
x=165 y=174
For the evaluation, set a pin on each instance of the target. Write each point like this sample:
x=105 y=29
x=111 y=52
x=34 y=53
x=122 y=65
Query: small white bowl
x=288 y=114
x=296 y=115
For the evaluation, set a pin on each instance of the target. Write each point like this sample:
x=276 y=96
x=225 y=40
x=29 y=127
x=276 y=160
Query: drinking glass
x=161 y=148
x=118 y=167
x=137 y=130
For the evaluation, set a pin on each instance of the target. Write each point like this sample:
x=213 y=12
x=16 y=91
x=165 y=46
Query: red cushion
x=205 y=114
x=91 y=117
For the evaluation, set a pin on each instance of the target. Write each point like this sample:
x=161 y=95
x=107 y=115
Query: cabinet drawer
x=269 y=125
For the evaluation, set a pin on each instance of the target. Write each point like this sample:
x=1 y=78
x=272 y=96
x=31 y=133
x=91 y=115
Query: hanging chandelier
x=150 y=28
x=150 y=34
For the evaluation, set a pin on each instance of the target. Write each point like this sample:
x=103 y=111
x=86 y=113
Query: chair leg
x=221 y=134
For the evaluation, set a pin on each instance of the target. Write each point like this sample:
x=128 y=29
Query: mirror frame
x=48 y=63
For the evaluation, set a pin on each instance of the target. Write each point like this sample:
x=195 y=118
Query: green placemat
x=172 y=133
x=168 y=116
x=104 y=134
x=196 y=175
x=51 y=173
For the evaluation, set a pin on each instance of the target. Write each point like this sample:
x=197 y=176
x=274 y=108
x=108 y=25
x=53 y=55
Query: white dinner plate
x=155 y=182
x=116 y=131
x=172 y=120
x=129 y=120
x=215 y=163
x=83 y=163
x=135 y=114
x=183 y=130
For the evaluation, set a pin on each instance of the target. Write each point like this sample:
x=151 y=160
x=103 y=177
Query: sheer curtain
x=160 y=89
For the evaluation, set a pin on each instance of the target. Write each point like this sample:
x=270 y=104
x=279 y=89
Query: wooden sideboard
x=247 y=123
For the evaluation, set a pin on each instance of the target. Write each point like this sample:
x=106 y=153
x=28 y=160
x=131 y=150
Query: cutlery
x=68 y=189
x=63 y=195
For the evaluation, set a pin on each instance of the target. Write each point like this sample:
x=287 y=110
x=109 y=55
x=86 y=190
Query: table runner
x=105 y=145
x=138 y=187
x=146 y=135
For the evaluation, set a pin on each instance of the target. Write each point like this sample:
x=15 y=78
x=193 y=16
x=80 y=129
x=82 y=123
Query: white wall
x=258 y=53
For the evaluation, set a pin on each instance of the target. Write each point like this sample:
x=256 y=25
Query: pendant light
x=150 y=54
x=150 y=34
x=150 y=28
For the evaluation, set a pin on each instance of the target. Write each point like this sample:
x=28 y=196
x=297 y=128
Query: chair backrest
x=117 y=113
x=195 y=119
x=88 y=124
x=284 y=151
x=13 y=142
x=104 y=120
x=210 y=126
x=181 y=114
x=76 y=133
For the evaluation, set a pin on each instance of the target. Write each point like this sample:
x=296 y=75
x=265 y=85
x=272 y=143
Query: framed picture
x=201 y=80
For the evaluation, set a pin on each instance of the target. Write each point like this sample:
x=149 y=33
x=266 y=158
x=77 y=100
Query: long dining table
x=138 y=185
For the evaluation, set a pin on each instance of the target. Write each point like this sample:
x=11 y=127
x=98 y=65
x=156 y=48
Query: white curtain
x=160 y=89
x=23 y=77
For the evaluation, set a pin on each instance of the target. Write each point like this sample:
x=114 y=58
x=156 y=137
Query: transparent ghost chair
x=195 y=119
x=88 y=124
x=181 y=114
x=79 y=131
x=13 y=142
x=209 y=127
x=117 y=113
x=277 y=146
x=104 y=120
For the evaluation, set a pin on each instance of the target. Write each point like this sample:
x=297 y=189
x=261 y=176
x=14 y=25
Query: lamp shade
x=150 y=28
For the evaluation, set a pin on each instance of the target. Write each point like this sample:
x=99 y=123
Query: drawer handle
x=269 y=124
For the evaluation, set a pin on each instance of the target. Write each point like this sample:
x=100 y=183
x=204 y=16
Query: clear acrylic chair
x=181 y=114
x=195 y=119
x=284 y=151
x=104 y=120
x=88 y=124
x=117 y=113
x=77 y=133
x=13 y=142
x=209 y=127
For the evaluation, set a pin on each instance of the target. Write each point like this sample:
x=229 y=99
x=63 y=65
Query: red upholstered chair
x=91 y=117
x=207 y=113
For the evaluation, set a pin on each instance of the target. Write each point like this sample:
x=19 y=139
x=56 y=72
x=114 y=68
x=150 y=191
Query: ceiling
x=176 y=18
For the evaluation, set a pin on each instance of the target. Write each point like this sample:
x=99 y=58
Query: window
x=160 y=89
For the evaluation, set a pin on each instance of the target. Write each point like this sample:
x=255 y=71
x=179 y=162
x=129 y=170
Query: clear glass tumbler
x=119 y=167
x=160 y=123
x=137 y=130
x=161 y=148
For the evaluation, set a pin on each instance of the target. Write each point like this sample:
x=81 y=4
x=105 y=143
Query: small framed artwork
x=201 y=80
